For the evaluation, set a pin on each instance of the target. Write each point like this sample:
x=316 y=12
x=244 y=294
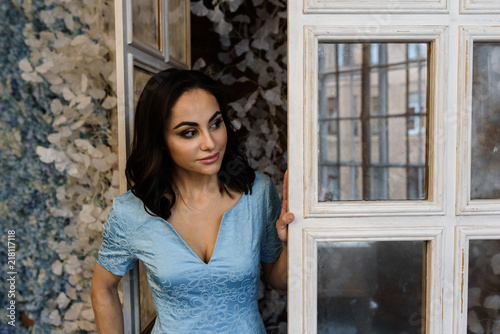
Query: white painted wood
x=479 y=6
x=436 y=36
x=446 y=210
x=434 y=255
x=469 y=35
x=375 y=6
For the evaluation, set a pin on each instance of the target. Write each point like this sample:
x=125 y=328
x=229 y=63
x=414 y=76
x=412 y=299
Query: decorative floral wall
x=58 y=142
x=57 y=98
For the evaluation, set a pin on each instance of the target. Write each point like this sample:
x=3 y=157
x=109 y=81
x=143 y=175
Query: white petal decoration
x=223 y=28
x=68 y=94
x=47 y=155
x=224 y=57
x=25 y=65
x=251 y=100
x=261 y=44
x=215 y=15
x=101 y=165
x=495 y=264
x=227 y=79
x=473 y=323
x=59 y=120
x=74 y=311
x=236 y=124
x=241 y=18
x=273 y=96
x=198 y=8
x=234 y=5
x=85 y=145
x=199 y=64
x=47 y=17
x=55 y=318
x=474 y=297
x=54 y=138
x=83 y=101
x=57 y=268
x=56 y=106
x=88 y=314
x=69 y=22
x=62 y=301
x=270 y=148
x=241 y=47
x=53 y=78
x=31 y=77
x=45 y=67
x=492 y=302
x=86 y=214
x=84 y=83
x=109 y=102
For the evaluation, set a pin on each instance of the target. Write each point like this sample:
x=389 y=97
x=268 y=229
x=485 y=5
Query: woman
x=200 y=219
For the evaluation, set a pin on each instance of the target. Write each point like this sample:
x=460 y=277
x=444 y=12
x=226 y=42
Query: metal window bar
x=379 y=172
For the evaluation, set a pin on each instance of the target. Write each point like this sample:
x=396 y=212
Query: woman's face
x=196 y=135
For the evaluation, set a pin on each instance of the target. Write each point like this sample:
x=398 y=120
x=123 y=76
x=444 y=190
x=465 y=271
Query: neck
x=195 y=186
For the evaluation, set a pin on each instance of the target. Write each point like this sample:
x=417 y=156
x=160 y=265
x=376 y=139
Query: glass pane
x=370 y=287
x=372 y=121
x=177 y=39
x=148 y=313
x=145 y=20
x=485 y=143
x=141 y=77
x=484 y=287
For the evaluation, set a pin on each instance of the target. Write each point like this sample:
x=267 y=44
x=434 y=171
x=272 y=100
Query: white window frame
x=435 y=35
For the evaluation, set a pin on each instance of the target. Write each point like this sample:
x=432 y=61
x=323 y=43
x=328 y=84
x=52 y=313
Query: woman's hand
x=285 y=217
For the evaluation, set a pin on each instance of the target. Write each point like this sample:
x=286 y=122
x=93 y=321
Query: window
x=382 y=93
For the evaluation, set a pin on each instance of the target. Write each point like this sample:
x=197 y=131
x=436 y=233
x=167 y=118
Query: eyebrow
x=196 y=124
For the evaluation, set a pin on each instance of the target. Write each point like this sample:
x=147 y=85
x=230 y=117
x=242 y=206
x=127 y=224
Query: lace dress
x=191 y=296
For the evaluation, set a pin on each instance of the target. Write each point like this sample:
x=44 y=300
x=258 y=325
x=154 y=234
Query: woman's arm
x=105 y=301
x=276 y=273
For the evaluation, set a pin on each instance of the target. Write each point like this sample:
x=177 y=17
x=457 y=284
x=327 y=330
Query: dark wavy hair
x=150 y=168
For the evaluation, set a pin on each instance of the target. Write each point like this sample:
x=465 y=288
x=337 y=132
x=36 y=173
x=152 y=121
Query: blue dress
x=189 y=295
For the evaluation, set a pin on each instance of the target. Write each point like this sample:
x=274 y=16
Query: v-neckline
x=219 y=232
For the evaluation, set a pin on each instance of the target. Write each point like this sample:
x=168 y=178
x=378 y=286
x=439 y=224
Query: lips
x=211 y=159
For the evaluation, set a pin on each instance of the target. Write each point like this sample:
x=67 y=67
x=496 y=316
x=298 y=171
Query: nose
x=207 y=141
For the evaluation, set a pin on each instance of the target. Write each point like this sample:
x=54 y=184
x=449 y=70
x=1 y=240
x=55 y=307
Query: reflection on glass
x=484 y=287
x=177 y=42
x=145 y=22
x=147 y=310
x=372 y=121
x=370 y=287
x=485 y=143
x=147 y=306
x=141 y=77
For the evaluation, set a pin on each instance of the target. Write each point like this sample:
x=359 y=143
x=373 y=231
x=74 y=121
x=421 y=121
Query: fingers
x=285 y=191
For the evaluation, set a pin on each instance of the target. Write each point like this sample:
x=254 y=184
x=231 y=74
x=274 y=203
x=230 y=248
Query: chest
x=199 y=227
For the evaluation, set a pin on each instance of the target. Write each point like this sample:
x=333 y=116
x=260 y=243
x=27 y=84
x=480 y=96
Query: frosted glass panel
x=370 y=287
x=145 y=22
x=372 y=121
x=177 y=31
x=485 y=140
x=484 y=287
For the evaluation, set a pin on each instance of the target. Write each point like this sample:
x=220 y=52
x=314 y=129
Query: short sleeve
x=115 y=255
x=271 y=244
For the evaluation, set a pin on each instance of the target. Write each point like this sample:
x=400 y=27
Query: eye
x=188 y=134
x=217 y=123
